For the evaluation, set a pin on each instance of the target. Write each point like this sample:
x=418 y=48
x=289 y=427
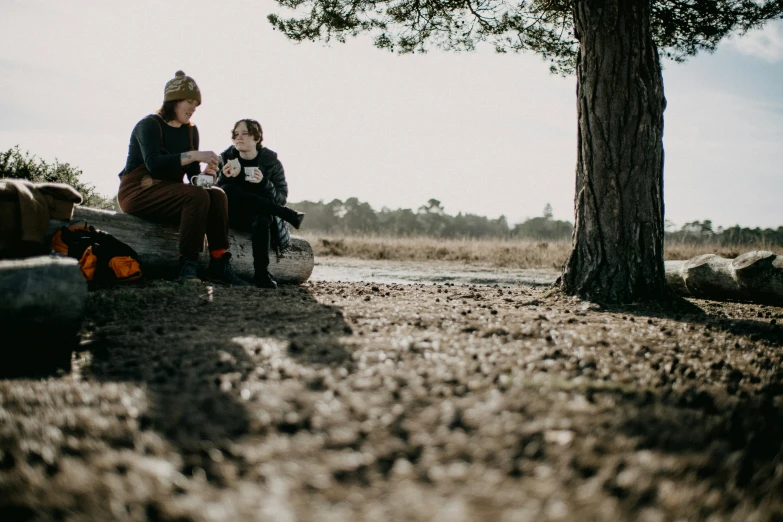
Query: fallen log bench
x=157 y=246
x=755 y=276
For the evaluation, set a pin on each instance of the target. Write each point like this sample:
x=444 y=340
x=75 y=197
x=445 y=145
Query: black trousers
x=253 y=213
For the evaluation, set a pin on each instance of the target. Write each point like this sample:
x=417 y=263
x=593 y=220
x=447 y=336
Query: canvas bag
x=103 y=259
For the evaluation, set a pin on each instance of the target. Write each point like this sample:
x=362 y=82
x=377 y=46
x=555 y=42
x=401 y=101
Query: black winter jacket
x=273 y=186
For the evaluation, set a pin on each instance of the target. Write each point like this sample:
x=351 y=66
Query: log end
x=296 y=264
x=758 y=259
x=760 y=276
x=674 y=277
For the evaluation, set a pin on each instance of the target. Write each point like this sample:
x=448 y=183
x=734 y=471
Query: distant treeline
x=703 y=232
x=355 y=217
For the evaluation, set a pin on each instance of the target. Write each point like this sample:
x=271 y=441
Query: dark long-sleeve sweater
x=162 y=157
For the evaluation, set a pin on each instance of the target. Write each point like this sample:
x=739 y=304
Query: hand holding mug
x=252 y=174
x=205 y=179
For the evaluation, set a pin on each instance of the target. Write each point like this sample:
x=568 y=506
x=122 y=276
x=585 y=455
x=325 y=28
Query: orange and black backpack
x=103 y=259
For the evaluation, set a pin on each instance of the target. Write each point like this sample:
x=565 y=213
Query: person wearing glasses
x=254 y=182
x=163 y=149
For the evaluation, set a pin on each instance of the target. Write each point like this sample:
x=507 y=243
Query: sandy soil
x=370 y=401
x=352 y=270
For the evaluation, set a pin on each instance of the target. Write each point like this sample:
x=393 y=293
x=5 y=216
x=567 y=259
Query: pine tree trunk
x=617 y=253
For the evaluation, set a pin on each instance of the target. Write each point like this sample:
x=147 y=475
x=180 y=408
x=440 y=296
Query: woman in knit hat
x=163 y=150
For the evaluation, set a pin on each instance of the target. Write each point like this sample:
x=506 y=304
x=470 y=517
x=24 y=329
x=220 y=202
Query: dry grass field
x=504 y=253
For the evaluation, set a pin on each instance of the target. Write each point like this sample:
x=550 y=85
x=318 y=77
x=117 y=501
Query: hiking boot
x=292 y=216
x=188 y=271
x=297 y=220
x=262 y=279
x=220 y=271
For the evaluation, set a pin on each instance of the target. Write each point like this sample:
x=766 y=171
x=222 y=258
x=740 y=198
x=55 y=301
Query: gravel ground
x=369 y=401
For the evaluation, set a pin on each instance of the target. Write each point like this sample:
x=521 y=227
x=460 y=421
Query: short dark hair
x=166 y=110
x=254 y=128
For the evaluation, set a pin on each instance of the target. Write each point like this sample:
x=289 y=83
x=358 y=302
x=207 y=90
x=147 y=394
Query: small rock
x=559 y=437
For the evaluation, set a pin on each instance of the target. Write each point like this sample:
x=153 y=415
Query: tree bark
x=617 y=244
x=156 y=245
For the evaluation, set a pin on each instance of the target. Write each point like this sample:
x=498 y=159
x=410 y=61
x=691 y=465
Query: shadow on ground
x=193 y=350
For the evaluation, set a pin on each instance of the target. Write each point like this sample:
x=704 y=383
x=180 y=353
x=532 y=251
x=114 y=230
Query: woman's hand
x=257 y=175
x=210 y=158
x=205 y=156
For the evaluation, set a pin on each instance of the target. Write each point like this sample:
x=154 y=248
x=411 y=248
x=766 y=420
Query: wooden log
x=41 y=311
x=710 y=275
x=674 y=277
x=760 y=276
x=157 y=245
x=755 y=276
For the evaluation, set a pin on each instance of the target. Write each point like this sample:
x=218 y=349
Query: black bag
x=103 y=259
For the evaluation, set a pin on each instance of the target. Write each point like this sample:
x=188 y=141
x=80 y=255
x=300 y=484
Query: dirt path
x=352 y=401
x=351 y=270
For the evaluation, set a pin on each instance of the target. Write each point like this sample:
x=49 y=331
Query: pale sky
x=484 y=133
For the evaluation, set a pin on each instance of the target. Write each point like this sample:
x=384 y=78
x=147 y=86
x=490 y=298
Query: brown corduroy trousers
x=198 y=211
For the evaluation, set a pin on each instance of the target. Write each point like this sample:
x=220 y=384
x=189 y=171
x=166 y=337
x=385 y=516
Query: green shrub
x=15 y=164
